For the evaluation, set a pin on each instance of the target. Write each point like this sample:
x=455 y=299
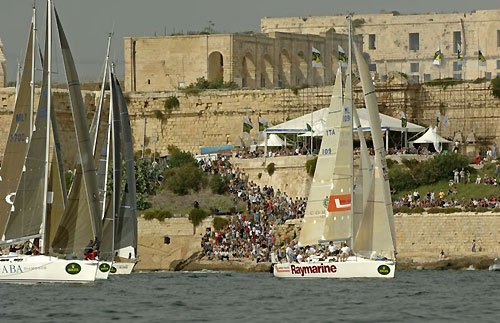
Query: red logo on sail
x=338 y=203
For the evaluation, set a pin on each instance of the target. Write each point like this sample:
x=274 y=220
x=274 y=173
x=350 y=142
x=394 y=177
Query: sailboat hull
x=349 y=269
x=122 y=268
x=103 y=269
x=41 y=269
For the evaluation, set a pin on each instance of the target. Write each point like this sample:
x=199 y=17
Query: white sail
x=364 y=174
x=376 y=233
x=313 y=227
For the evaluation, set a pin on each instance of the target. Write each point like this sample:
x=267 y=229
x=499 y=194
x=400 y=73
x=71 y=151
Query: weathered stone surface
x=252 y=60
x=420 y=239
x=391 y=49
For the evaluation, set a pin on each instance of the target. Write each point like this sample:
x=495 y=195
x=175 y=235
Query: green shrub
x=182 y=179
x=410 y=163
x=68 y=177
x=196 y=216
x=192 y=91
x=271 y=167
x=418 y=210
x=391 y=163
x=311 y=166
x=295 y=89
x=158 y=115
x=171 y=103
x=202 y=84
x=180 y=158
x=445 y=164
x=220 y=223
x=148 y=179
x=160 y=215
x=495 y=87
x=218 y=185
x=425 y=173
x=402 y=209
x=444 y=83
x=401 y=179
x=447 y=210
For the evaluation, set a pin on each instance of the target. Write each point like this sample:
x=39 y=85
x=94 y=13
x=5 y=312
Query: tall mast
x=351 y=108
x=18 y=77
x=32 y=106
x=101 y=97
x=47 y=142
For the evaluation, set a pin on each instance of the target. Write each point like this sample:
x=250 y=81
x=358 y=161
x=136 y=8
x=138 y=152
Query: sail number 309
x=326 y=151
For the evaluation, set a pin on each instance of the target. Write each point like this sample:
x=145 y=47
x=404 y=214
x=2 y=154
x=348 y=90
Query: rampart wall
x=215 y=117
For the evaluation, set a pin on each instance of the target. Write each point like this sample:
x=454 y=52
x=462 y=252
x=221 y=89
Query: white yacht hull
x=348 y=269
x=122 y=268
x=103 y=269
x=38 y=269
x=494 y=267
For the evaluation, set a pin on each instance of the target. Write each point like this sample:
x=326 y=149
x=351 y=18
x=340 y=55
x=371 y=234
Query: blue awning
x=213 y=149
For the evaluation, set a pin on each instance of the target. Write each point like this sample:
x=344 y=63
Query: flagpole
x=312 y=125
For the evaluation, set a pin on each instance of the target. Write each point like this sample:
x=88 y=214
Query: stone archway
x=215 y=67
x=267 y=72
x=301 y=69
x=285 y=70
x=248 y=71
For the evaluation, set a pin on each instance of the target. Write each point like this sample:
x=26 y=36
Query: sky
x=88 y=22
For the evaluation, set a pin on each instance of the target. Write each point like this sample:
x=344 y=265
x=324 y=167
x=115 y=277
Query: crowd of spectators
x=249 y=234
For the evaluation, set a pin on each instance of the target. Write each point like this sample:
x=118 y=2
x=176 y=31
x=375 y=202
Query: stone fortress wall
x=215 y=117
x=251 y=60
x=390 y=45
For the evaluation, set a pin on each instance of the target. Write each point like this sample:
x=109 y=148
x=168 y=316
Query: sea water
x=413 y=296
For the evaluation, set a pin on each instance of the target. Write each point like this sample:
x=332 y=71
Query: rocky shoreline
x=248 y=266
x=245 y=265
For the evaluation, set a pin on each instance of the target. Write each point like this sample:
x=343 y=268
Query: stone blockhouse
x=407 y=43
x=252 y=60
x=3 y=67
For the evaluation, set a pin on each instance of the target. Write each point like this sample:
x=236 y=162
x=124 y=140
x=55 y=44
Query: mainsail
x=26 y=216
x=364 y=174
x=318 y=209
x=338 y=225
x=81 y=221
x=17 y=141
x=126 y=227
x=376 y=232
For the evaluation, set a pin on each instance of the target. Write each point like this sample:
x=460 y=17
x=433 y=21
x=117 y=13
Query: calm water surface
x=413 y=296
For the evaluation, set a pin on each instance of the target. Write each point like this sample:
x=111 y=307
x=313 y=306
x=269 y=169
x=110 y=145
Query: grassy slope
x=466 y=191
x=181 y=205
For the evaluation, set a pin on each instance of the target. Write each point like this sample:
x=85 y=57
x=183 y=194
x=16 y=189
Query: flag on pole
x=342 y=56
x=247 y=125
x=437 y=57
x=404 y=121
x=480 y=58
x=460 y=57
x=445 y=121
x=316 y=58
x=263 y=124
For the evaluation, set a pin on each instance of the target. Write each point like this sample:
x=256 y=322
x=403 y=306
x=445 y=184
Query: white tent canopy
x=273 y=141
x=317 y=121
x=430 y=137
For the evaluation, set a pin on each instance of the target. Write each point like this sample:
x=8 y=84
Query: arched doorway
x=301 y=69
x=285 y=69
x=248 y=71
x=215 y=67
x=267 y=72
